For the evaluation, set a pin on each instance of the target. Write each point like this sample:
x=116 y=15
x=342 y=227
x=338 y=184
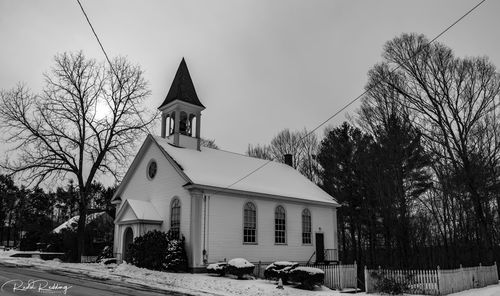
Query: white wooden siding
x=225 y=233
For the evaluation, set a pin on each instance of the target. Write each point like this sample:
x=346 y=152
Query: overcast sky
x=258 y=66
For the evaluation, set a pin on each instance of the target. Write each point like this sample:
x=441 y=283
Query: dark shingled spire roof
x=182 y=88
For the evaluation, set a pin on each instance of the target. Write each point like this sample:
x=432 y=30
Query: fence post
x=463 y=280
x=439 y=281
x=496 y=272
x=258 y=270
x=479 y=278
x=341 y=276
x=366 y=280
x=355 y=277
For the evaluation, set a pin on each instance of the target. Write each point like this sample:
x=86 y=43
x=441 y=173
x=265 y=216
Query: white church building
x=211 y=198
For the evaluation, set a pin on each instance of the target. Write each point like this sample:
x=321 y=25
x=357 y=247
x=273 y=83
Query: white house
x=212 y=198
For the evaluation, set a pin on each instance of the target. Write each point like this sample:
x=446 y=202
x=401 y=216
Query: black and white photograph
x=249 y=147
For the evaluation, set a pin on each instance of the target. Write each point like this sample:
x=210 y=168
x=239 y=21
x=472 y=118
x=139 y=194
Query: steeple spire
x=182 y=88
x=181 y=111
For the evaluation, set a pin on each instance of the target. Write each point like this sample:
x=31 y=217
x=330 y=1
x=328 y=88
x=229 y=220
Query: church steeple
x=181 y=111
x=182 y=88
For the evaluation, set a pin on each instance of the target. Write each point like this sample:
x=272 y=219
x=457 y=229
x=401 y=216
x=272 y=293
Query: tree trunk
x=354 y=245
x=484 y=234
x=498 y=207
x=343 y=235
x=81 y=226
x=9 y=230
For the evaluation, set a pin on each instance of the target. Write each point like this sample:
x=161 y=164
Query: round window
x=152 y=168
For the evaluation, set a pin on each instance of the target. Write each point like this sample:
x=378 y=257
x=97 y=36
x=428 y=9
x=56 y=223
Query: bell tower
x=181 y=111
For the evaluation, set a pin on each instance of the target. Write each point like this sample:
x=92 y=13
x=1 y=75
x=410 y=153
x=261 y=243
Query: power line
x=95 y=35
x=362 y=94
x=395 y=69
x=107 y=58
x=329 y=118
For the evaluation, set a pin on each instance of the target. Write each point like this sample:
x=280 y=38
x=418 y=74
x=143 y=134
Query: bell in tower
x=181 y=111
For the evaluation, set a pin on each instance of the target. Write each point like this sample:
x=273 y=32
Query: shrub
x=279 y=269
x=30 y=240
x=65 y=241
x=217 y=268
x=176 y=258
x=107 y=252
x=54 y=242
x=388 y=284
x=308 y=277
x=239 y=267
x=149 y=250
x=158 y=250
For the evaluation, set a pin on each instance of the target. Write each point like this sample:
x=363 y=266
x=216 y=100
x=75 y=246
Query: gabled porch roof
x=137 y=211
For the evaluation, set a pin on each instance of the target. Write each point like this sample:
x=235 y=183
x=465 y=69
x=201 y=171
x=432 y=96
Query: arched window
x=175 y=218
x=279 y=225
x=249 y=223
x=306 y=226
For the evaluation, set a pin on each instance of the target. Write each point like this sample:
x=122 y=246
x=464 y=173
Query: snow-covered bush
x=176 y=258
x=239 y=267
x=217 y=268
x=157 y=250
x=279 y=269
x=149 y=250
x=308 y=277
x=107 y=252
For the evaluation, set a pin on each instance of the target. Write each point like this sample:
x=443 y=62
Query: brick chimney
x=288 y=159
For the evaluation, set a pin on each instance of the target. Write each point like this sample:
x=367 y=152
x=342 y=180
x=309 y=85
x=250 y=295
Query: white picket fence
x=337 y=277
x=435 y=282
x=460 y=279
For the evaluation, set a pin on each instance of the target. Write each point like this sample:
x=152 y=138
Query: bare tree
x=287 y=142
x=209 y=143
x=259 y=151
x=451 y=98
x=309 y=165
x=302 y=145
x=85 y=122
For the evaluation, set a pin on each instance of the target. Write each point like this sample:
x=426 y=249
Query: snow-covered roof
x=221 y=169
x=72 y=222
x=143 y=210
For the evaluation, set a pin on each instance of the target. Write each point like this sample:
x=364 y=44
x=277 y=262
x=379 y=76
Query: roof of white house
x=223 y=169
x=72 y=223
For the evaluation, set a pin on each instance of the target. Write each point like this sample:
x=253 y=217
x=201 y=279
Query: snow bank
x=493 y=290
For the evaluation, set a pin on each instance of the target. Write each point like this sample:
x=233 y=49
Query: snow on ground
x=4 y=253
x=493 y=290
x=196 y=284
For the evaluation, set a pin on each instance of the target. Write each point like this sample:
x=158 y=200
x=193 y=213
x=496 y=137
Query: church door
x=320 y=248
x=128 y=238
